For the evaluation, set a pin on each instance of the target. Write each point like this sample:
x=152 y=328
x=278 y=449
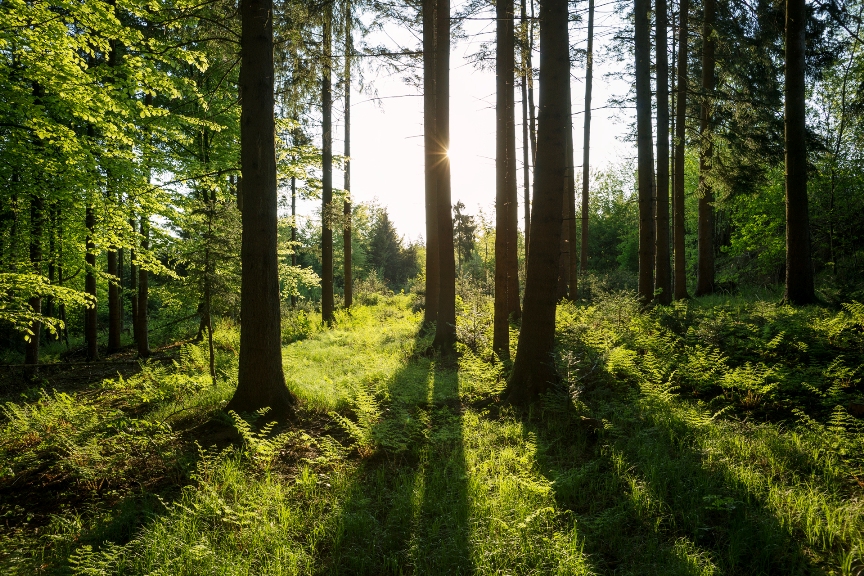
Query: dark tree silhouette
x=586 y=149
x=433 y=157
x=705 y=233
x=680 y=136
x=662 y=266
x=327 y=171
x=645 y=149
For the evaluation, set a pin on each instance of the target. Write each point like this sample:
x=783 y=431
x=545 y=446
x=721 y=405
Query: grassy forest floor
x=718 y=436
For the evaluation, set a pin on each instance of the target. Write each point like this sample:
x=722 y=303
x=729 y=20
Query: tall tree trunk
x=142 y=326
x=586 y=147
x=445 y=327
x=293 y=230
x=90 y=314
x=705 y=270
x=114 y=309
x=506 y=204
x=37 y=221
x=680 y=137
x=432 y=156
x=645 y=149
x=663 y=272
x=526 y=163
x=565 y=278
x=346 y=207
x=534 y=368
x=260 y=380
x=532 y=109
x=570 y=197
x=327 y=172
x=54 y=216
x=799 y=269
x=133 y=282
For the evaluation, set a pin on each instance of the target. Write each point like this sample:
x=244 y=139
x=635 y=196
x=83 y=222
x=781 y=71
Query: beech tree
x=260 y=381
x=534 y=367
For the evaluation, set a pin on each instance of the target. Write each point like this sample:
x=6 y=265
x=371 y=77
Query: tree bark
x=327 y=173
x=90 y=314
x=644 y=149
x=705 y=270
x=114 y=310
x=534 y=368
x=570 y=197
x=260 y=380
x=142 y=326
x=445 y=326
x=506 y=204
x=432 y=157
x=133 y=282
x=662 y=264
x=680 y=137
x=346 y=206
x=799 y=268
x=37 y=221
x=526 y=162
x=586 y=148
x=293 y=230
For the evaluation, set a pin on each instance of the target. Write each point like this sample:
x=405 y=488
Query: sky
x=387 y=133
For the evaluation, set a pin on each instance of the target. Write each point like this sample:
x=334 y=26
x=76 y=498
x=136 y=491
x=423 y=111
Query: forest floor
x=719 y=436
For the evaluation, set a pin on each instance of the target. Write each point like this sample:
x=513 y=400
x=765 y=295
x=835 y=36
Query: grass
x=680 y=441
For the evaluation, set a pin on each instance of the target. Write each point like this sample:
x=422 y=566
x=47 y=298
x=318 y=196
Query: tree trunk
x=293 y=230
x=37 y=218
x=142 y=326
x=662 y=264
x=133 y=282
x=90 y=314
x=54 y=216
x=680 y=136
x=531 y=108
x=534 y=368
x=645 y=149
x=260 y=380
x=506 y=204
x=114 y=310
x=705 y=270
x=799 y=269
x=565 y=278
x=570 y=197
x=526 y=162
x=445 y=326
x=327 y=173
x=346 y=207
x=432 y=157
x=586 y=149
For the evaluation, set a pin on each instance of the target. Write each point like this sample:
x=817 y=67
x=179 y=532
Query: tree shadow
x=647 y=500
x=408 y=510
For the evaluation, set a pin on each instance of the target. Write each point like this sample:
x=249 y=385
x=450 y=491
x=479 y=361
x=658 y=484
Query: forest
x=215 y=358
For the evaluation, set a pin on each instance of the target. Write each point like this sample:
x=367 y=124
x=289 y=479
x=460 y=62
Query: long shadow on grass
x=645 y=501
x=408 y=510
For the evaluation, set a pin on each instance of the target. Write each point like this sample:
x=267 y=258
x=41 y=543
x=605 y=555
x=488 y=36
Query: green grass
x=680 y=441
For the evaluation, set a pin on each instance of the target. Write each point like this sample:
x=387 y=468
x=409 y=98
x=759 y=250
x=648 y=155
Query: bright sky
x=387 y=134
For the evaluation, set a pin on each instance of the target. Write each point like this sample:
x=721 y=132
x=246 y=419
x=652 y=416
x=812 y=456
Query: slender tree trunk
x=293 y=230
x=90 y=314
x=570 y=197
x=645 y=149
x=346 y=207
x=432 y=157
x=53 y=215
x=142 y=327
x=799 y=268
x=705 y=270
x=133 y=282
x=208 y=292
x=260 y=380
x=534 y=368
x=445 y=327
x=114 y=324
x=663 y=272
x=680 y=137
x=526 y=163
x=506 y=204
x=586 y=148
x=531 y=107
x=564 y=277
x=327 y=173
x=37 y=223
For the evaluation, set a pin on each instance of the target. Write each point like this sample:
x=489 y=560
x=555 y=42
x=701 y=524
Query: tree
x=433 y=156
x=506 y=203
x=586 y=146
x=680 y=136
x=346 y=207
x=526 y=163
x=705 y=270
x=464 y=230
x=644 y=149
x=327 y=171
x=663 y=273
x=799 y=269
x=260 y=380
x=534 y=368
x=445 y=326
